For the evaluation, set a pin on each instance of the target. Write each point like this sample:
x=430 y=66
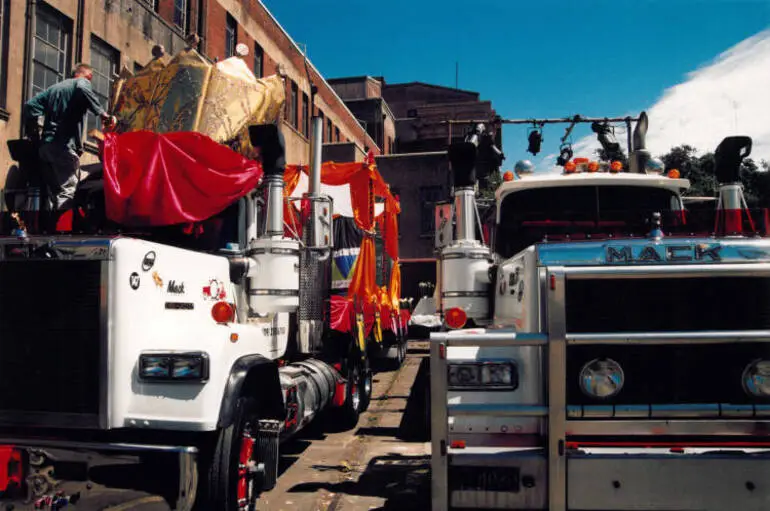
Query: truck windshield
x=581 y=212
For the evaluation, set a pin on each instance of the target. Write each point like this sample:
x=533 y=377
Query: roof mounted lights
x=535 y=139
x=565 y=155
x=579 y=165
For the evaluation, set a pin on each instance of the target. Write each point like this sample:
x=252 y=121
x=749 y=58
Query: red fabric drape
x=189 y=174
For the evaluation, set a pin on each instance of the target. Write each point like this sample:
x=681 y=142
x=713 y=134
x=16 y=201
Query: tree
x=489 y=184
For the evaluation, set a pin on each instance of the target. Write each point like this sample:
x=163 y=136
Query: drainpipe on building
x=26 y=80
x=201 y=27
x=79 y=32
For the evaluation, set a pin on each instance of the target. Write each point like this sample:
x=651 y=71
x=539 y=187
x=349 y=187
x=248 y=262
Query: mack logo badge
x=134 y=280
x=175 y=287
x=663 y=253
x=149 y=261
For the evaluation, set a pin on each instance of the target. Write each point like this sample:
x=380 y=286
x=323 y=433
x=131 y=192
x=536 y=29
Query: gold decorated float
x=189 y=93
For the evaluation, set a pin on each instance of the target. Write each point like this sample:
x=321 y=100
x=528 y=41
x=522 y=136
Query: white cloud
x=728 y=96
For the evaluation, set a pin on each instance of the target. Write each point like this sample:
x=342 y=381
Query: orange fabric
x=395 y=285
x=365 y=183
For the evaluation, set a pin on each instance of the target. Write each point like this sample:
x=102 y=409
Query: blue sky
x=545 y=58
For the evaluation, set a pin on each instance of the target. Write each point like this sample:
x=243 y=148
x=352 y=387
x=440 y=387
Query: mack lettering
x=175 y=287
x=662 y=253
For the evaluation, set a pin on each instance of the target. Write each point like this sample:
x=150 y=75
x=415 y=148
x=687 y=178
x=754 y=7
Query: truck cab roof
x=547 y=180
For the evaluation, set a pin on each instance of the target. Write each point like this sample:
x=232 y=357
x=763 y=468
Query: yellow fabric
x=190 y=94
x=136 y=105
x=236 y=99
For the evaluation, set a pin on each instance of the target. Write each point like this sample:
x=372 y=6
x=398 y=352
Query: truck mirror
x=462 y=158
x=268 y=139
x=728 y=157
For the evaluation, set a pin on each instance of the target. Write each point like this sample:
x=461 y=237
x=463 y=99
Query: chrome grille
x=50 y=338
x=668 y=304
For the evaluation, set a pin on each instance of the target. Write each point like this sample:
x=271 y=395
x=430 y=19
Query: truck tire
x=358 y=391
x=230 y=485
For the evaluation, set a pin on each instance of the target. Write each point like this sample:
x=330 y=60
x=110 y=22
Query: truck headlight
x=756 y=378
x=602 y=378
x=173 y=367
x=483 y=375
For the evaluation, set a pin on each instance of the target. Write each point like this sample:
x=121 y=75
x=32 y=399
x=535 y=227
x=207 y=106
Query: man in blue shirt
x=64 y=106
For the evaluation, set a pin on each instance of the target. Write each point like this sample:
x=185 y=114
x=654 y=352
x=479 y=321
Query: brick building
x=40 y=41
x=363 y=96
x=415 y=163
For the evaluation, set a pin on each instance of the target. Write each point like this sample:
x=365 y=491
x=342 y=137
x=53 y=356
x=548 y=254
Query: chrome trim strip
x=272 y=250
x=96 y=446
x=466 y=255
x=464 y=294
x=439 y=426
x=679 y=410
x=489 y=339
x=669 y=411
x=273 y=292
x=498 y=410
x=643 y=271
x=760 y=428
x=557 y=388
x=654 y=338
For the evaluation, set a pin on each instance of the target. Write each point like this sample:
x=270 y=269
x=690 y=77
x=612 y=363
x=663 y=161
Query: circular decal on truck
x=134 y=280
x=149 y=261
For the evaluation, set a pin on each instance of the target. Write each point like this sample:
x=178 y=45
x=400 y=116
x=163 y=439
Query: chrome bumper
x=616 y=479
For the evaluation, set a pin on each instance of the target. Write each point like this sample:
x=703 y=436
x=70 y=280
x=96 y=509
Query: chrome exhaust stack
x=273 y=278
x=315 y=256
x=731 y=203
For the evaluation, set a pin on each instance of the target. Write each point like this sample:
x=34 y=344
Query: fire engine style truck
x=605 y=349
x=210 y=350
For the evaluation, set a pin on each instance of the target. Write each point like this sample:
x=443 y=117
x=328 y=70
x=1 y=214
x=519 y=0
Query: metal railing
x=555 y=342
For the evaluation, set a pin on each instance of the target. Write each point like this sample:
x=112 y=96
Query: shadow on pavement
x=403 y=481
x=415 y=422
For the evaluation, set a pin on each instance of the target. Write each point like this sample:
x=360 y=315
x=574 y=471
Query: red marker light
x=457 y=444
x=455 y=318
x=570 y=167
x=616 y=166
x=508 y=176
x=223 y=312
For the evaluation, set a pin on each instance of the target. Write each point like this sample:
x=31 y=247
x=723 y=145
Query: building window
x=104 y=60
x=305 y=115
x=321 y=115
x=231 y=36
x=328 y=130
x=259 y=57
x=293 y=106
x=180 y=14
x=51 y=50
x=429 y=195
x=336 y=134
